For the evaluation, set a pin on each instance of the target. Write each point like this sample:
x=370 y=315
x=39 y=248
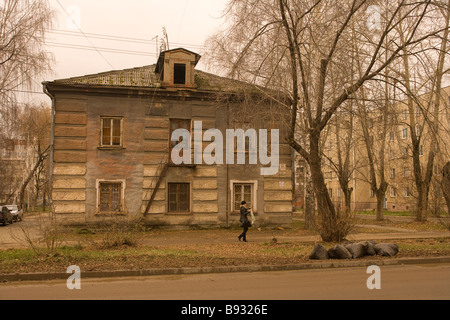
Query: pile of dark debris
x=354 y=250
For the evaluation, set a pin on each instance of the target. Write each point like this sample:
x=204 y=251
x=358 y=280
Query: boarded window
x=242 y=192
x=110 y=197
x=111 y=132
x=179 y=197
x=179 y=73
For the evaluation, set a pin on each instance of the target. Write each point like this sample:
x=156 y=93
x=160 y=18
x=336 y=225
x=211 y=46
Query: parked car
x=16 y=213
x=5 y=215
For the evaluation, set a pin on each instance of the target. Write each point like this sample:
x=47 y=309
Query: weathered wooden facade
x=112 y=144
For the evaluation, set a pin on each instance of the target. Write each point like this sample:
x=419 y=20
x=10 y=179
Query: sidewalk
x=197 y=238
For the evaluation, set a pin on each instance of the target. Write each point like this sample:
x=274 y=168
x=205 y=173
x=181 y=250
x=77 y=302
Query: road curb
x=331 y=264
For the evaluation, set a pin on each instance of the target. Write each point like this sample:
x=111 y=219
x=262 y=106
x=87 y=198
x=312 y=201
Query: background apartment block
x=399 y=171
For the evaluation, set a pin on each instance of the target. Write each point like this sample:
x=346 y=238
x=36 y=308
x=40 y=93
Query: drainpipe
x=52 y=138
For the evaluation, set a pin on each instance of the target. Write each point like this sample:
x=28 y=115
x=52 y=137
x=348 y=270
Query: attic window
x=179 y=73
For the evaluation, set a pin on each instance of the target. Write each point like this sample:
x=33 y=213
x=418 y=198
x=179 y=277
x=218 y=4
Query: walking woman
x=245 y=223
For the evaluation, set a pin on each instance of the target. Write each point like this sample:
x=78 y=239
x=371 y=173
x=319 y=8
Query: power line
x=109 y=50
x=119 y=38
x=103 y=36
x=24 y=91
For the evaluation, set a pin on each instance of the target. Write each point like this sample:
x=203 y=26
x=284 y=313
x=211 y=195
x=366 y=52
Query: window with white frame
x=392 y=173
x=392 y=136
x=243 y=191
x=393 y=192
x=405 y=151
x=110 y=196
x=407 y=192
x=405 y=134
x=391 y=154
x=111 y=132
x=418 y=130
x=418 y=111
x=405 y=115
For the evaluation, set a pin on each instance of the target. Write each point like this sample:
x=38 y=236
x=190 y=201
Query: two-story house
x=112 y=146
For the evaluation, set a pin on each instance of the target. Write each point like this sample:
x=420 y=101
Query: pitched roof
x=135 y=77
x=145 y=77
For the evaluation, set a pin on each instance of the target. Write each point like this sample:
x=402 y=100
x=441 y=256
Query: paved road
x=15 y=235
x=426 y=282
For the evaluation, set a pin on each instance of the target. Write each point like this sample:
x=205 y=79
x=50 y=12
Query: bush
x=336 y=228
x=120 y=231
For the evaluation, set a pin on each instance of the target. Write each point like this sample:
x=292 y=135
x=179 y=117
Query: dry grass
x=131 y=247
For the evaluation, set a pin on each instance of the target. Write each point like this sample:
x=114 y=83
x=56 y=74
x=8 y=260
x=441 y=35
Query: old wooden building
x=112 y=146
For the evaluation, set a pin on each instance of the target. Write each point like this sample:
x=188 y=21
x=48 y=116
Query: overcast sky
x=82 y=26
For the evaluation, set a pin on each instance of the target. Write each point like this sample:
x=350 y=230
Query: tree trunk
x=422 y=204
x=328 y=228
x=380 y=193
x=446 y=185
x=380 y=207
x=309 y=205
x=348 y=198
x=41 y=158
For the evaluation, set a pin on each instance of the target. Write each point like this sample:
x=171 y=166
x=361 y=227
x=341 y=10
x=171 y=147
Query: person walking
x=245 y=223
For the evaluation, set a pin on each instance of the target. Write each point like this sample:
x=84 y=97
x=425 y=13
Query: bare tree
x=34 y=127
x=374 y=112
x=311 y=41
x=341 y=157
x=23 y=24
x=422 y=71
x=374 y=138
x=23 y=163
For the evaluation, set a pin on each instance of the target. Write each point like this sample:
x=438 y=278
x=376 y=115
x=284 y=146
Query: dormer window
x=179 y=73
x=176 y=68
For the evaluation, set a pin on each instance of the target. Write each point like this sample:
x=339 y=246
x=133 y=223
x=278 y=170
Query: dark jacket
x=244 y=217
